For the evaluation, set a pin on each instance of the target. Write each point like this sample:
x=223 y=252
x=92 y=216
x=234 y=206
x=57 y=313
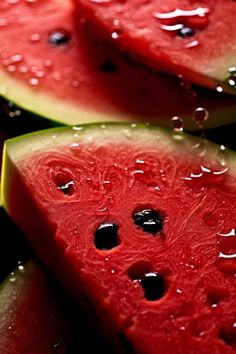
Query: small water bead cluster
x=231 y=79
x=184 y=23
x=16 y=63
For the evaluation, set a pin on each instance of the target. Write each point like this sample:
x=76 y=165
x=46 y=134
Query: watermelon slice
x=139 y=222
x=194 y=39
x=31 y=322
x=58 y=71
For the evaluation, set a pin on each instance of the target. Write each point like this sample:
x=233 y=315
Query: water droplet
x=200 y=115
x=21 y=269
x=12 y=2
x=192 y=44
x=219 y=88
x=200 y=147
x=3 y=22
x=231 y=78
x=178 y=13
x=40 y=73
x=12 y=277
x=116 y=29
x=179 y=291
x=35 y=37
x=101 y=2
x=177 y=124
x=75 y=147
x=16 y=58
x=172 y=28
x=232 y=70
x=232 y=232
x=11 y=68
x=47 y=63
x=222 y=156
x=227 y=256
x=57 y=76
x=75 y=83
x=205 y=177
x=232 y=81
x=11 y=109
x=23 y=69
x=33 y=81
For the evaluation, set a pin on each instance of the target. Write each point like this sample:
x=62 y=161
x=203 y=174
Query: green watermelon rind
x=20 y=147
x=20 y=279
x=58 y=112
x=16 y=150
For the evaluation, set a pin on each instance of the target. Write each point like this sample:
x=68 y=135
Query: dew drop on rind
x=106 y=236
x=222 y=156
x=59 y=37
x=232 y=81
x=177 y=124
x=149 y=220
x=11 y=109
x=153 y=285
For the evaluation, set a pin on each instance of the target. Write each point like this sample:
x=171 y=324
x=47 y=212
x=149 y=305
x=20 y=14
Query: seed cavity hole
x=215 y=296
x=153 y=283
x=106 y=236
x=228 y=335
x=65 y=184
x=149 y=220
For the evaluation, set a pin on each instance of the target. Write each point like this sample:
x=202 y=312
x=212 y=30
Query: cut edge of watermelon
x=211 y=78
x=67 y=113
x=19 y=147
x=46 y=106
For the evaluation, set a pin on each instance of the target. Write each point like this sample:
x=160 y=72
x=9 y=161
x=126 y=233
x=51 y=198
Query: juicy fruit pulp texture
x=78 y=78
x=193 y=39
x=151 y=290
x=31 y=322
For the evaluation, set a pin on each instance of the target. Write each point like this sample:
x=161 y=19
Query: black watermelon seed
x=149 y=220
x=59 y=37
x=108 y=66
x=185 y=32
x=153 y=285
x=106 y=236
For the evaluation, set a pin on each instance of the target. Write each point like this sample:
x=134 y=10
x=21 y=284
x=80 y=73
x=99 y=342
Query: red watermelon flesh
x=194 y=39
x=31 y=322
x=140 y=222
x=58 y=71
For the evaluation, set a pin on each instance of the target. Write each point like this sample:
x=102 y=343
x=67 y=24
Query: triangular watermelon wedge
x=58 y=71
x=139 y=223
x=192 y=39
x=31 y=321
